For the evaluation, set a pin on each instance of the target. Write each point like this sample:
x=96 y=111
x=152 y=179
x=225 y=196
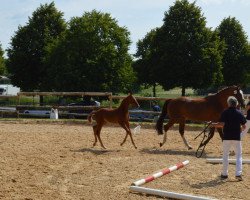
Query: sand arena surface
x=56 y=161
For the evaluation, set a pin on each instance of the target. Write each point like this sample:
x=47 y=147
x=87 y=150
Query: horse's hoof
x=189 y=148
x=135 y=147
x=160 y=144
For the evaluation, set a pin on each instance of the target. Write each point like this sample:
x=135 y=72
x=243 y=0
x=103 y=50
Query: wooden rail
x=27 y=107
x=143 y=98
x=64 y=94
x=8 y=96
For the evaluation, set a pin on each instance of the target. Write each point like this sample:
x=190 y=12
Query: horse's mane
x=225 y=88
x=221 y=89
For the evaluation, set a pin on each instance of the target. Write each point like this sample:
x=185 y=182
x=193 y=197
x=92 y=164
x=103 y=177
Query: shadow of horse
x=171 y=152
x=95 y=151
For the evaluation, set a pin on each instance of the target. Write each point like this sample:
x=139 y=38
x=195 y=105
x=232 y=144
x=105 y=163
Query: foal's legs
x=94 y=129
x=166 y=127
x=125 y=125
x=98 y=132
x=181 y=131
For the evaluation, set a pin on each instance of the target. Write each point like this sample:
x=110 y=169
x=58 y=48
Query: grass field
x=160 y=92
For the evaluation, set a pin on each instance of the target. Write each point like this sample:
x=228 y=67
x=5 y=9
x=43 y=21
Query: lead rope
x=204 y=137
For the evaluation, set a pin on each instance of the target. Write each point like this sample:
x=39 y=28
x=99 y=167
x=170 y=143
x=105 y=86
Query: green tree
x=2 y=62
x=147 y=62
x=190 y=52
x=236 y=55
x=29 y=45
x=92 y=56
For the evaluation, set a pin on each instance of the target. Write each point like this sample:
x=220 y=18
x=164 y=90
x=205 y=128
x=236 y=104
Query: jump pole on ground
x=168 y=194
x=135 y=187
x=219 y=160
x=161 y=173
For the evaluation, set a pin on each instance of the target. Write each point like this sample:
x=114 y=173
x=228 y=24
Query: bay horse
x=196 y=109
x=118 y=115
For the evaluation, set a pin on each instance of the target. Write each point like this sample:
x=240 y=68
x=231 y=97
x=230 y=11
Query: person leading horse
x=196 y=109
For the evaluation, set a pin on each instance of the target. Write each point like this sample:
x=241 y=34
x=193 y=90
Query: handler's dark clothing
x=233 y=119
x=248 y=115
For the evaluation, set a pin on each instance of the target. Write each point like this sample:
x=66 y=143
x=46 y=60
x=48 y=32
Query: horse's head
x=237 y=93
x=132 y=100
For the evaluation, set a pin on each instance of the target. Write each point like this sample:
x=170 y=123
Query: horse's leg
x=125 y=125
x=124 y=140
x=181 y=131
x=166 y=127
x=94 y=129
x=98 y=132
x=220 y=132
x=130 y=134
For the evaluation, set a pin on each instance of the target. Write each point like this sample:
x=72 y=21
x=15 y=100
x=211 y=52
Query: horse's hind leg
x=181 y=131
x=94 y=129
x=166 y=127
x=98 y=132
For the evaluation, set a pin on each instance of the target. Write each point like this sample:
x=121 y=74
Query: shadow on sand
x=171 y=152
x=212 y=183
x=94 y=151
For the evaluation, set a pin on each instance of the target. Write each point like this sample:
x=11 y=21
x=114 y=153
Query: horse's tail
x=159 y=123
x=90 y=117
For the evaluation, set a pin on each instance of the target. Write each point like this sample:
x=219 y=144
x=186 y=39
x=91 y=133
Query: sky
x=139 y=16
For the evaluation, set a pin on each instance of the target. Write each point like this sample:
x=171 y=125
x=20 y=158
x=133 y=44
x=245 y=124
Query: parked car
x=37 y=113
x=79 y=113
x=139 y=114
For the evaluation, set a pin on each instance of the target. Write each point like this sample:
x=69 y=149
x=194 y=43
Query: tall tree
x=29 y=46
x=2 y=62
x=190 y=52
x=93 y=56
x=147 y=62
x=236 y=56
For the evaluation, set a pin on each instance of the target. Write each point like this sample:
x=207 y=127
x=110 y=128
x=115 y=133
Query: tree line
x=90 y=53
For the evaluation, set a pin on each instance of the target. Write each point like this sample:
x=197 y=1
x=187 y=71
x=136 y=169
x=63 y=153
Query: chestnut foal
x=118 y=115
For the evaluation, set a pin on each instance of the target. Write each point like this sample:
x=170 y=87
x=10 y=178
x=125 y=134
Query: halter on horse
x=196 y=109
x=118 y=115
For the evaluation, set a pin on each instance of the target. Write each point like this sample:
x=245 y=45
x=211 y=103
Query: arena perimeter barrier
x=219 y=160
x=159 y=174
x=135 y=187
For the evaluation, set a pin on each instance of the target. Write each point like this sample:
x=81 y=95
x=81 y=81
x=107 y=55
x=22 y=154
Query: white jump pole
x=162 y=193
x=219 y=160
x=161 y=173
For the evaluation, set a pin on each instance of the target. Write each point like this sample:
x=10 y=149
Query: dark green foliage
x=28 y=47
x=2 y=62
x=190 y=52
x=147 y=63
x=92 y=56
x=236 y=55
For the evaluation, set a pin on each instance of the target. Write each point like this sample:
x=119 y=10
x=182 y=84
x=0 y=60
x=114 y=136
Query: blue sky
x=138 y=16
